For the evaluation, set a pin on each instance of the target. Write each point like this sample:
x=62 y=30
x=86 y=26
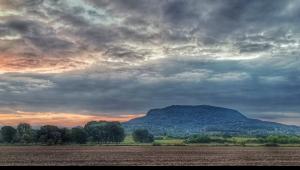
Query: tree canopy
x=105 y=132
x=79 y=135
x=8 y=134
x=142 y=136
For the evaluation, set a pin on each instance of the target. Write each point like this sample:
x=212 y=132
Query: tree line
x=96 y=132
x=271 y=140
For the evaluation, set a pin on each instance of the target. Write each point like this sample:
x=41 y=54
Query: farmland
x=147 y=155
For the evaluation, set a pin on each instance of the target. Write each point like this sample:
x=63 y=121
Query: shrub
x=156 y=144
x=142 y=136
x=272 y=145
x=198 y=139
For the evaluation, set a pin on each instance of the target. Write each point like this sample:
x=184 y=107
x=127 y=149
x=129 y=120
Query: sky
x=67 y=62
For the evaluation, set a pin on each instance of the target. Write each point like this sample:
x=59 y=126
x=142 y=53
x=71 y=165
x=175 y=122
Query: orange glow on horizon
x=11 y=63
x=58 y=119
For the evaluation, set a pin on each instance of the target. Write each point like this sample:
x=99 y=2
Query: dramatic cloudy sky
x=70 y=61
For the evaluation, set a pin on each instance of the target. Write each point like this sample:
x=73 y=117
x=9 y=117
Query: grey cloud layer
x=170 y=26
x=151 y=53
x=241 y=85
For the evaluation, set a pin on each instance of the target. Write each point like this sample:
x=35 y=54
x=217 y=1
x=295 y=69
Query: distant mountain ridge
x=179 y=120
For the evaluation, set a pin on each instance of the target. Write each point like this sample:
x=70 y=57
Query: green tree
x=142 y=136
x=79 y=135
x=90 y=128
x=115 y=132
x=9 y=134
x=95 y=131
x=25 y=133
x=105 y=132
x=50 y=135
x=66 y=135
x=1 y=138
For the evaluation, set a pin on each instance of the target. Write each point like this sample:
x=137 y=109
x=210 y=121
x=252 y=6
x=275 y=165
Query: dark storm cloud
x=151 y=53
x=42 y=37
x=208 y=22
x=125 y=54
x=159 y=84
x=20 y=4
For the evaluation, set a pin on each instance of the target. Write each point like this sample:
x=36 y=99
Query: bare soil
x=148 y=155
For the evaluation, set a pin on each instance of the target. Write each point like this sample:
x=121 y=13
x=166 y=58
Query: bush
x=198 y=139
x=282 y=139
x=142 y=136
x=179 y=144
x=156 y=144
x=272 y=145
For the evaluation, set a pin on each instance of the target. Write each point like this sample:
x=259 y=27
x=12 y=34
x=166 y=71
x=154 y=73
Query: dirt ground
x=148 y=155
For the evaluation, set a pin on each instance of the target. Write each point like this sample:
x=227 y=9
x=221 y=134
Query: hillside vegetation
x=208 y=120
